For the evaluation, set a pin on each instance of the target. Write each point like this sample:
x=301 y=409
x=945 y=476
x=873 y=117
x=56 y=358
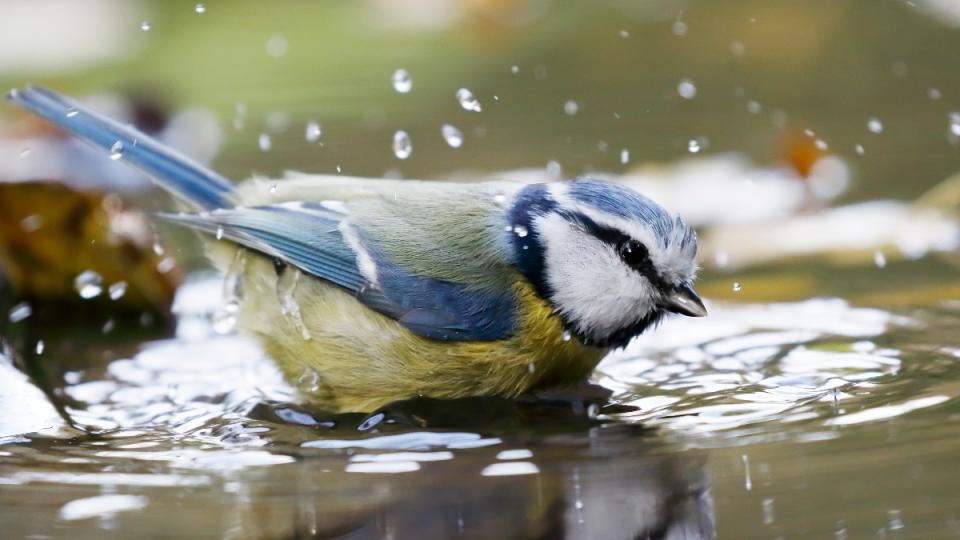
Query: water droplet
x=402 y=146
x=934 y=93
x=554 y=169
x=309 y=380
x=116 y=151
x=499 y=199
x=24 y=152
x=737 y=286
x=858 y=148
x=286 y=295
x=117 y=290
x=896 y=522
x=693 y=146
x=737 y=48
x=158 y=247
x=145 y=26
x=754 y=107
x=88 y=284
x=955 y=123
x=687 y=89
x=531 y=368
x=875 y=125
x=624 y=34
x=767 y=505
x=71 y=112
x=40 y=347
x=468 y=101
x=567 y=336
x=624 y=156
x=167 y=264
x=520 y=231
x=402 y=81
x=273 y=187
x=313 y=131
x=108 y=326
x=571 y=107
x=219 y=232
x=225 y=318
x=679 y=28
x=747 y=482
x=879 y=259
x=514 y=69
x=200 y=8
x=452 y=135
x=277 y=46
x=20 y=312
x=264 y=142
x=820 y=144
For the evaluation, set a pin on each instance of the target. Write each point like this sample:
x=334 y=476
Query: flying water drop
x=402 y=81
x=225 y=319
x=468 y=101
x=554 y=169
x=39 y=347
x=402 y=146
x=313 y=131
x=88 y=284
x=219 y=232
x=737 y=286
x=875 y=125
x=145 y=26
x=309 y=380
x=20 y=312
x=693 y=146
x=116 y=151
x=117 y=290
x=452 y=135
x=200 y=8
x=71 y=112
x=879 y=259
x=571 y=107
x=514 y=69
x=624 y=156
x=567 y=336
x=286 y=294
x=264 y=142
x=520 y=231
x=687 y=89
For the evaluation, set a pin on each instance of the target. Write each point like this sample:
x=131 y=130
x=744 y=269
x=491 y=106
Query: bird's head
x=608 y=260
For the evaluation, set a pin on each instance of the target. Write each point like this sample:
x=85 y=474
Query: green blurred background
x=761 y=69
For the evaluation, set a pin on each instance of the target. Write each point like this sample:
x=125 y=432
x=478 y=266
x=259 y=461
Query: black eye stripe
x=632 y=252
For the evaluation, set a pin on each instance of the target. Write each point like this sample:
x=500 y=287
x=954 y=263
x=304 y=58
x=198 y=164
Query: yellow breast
x=357 y=359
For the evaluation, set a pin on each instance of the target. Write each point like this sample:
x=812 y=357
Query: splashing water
x=117 y=290
x=116 y=151
x=687 y=89
x=88 y=284
x=402 y=81
x=225 y=318
x=467 y=100
x=200 y=9
x=402 y=145
x=287 y=296
x=313 y=131
x=452 y=135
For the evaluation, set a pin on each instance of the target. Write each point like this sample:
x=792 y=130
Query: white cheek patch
x=672 y=257
x=591 y=285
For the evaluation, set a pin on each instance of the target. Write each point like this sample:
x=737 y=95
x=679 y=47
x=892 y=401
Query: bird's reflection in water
x=537 y=471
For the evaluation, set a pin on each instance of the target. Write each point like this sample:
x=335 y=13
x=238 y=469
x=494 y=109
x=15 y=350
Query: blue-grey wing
x=311 y=237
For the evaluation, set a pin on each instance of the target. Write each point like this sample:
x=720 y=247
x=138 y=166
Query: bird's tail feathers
x=174 y=172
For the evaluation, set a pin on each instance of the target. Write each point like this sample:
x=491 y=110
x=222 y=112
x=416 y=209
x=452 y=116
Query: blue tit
x=379 y=290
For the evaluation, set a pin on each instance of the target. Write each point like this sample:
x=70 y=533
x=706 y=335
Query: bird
x=370 y=291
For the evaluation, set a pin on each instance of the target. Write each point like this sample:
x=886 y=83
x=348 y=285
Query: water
x=452 y=135
x=402 y=145
x=402 y=81
x=817 y=400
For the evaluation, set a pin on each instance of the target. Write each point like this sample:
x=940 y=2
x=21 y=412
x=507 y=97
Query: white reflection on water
x=102 y=505
x=750 y=364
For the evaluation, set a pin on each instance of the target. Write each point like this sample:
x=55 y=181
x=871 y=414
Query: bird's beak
x=684 y=300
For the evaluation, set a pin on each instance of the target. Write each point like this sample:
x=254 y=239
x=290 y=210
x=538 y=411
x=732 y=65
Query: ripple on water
x=751 y=365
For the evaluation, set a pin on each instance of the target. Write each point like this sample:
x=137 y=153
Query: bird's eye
x=634 y=254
